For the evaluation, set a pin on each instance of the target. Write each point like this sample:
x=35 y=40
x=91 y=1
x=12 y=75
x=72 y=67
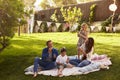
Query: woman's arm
x=89 y=56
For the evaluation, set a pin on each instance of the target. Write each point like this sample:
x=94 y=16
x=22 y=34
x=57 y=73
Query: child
x=62 y=62
x=83 y=35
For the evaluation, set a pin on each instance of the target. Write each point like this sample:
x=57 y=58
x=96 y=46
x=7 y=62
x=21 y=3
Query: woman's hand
x=84 y=57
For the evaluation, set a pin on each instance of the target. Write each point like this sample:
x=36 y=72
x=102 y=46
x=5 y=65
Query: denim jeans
x=79 y=63
x=44 y=65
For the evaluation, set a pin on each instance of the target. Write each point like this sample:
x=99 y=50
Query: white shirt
x=62 y=59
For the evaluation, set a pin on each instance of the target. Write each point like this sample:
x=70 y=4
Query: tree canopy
x=45 y=4
x=10 y=12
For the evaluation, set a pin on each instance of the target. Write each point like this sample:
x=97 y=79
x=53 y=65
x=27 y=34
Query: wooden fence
x=101 y=12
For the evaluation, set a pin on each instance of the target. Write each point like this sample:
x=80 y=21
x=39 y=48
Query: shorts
x=61 y=66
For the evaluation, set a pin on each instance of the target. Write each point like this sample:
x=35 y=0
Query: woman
x=86 y=49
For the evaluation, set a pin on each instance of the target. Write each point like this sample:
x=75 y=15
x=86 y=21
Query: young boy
x=62 y=62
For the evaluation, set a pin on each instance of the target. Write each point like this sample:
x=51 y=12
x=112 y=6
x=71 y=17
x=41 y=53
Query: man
x=49 y=55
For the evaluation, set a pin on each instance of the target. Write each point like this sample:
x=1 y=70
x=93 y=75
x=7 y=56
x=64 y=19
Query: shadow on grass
x=17 y=57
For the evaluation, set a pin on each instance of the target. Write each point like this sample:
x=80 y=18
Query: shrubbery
x=43 y=27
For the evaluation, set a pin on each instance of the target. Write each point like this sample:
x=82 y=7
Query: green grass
x=22 y=51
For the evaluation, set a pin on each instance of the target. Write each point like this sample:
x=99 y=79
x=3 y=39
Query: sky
x=36 y=4
x=37 y=7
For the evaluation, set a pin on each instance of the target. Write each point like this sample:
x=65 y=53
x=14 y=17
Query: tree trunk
x=19 y=31
x=3 y=43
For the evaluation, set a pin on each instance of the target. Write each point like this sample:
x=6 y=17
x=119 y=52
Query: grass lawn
x=22 y=51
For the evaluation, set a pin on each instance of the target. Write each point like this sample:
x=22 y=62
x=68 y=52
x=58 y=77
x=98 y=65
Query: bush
x=61 y=28
x=92 y=13
x=43 y=27
x=10 y=12
x=79 y=26
x=67 y=29
x=108 y=20
x=52 y=27
x=105 y=23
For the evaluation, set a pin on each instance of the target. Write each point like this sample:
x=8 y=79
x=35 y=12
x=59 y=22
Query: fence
x=101 y=13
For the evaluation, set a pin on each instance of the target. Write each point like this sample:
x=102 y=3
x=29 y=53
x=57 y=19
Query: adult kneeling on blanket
x=86 y=49
x=49 y=55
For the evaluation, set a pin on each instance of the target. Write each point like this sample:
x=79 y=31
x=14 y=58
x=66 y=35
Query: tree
x=54 y=16
x=71 y=15
x=92 y=13
x=60 y=3
x=45 y=4
x=29 y=2
x=10 y=11
x=84 y=0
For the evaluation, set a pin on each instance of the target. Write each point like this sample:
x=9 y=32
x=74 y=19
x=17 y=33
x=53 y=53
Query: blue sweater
x=45 y=54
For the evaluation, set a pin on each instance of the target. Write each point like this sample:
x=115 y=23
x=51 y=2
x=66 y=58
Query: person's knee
x=37 y=58
x=78 y=49
x=84 y=63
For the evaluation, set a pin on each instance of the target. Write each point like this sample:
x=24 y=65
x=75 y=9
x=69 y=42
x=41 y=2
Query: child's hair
x=89 y=45
x=63 y=50
x=84 y=24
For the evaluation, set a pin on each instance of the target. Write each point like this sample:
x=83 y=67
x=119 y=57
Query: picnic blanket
x=98 y=62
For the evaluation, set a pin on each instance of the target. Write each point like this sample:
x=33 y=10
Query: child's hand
x=86 y=39
x=67 y=60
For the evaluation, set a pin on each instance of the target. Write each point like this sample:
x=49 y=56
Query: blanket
x=98 y=62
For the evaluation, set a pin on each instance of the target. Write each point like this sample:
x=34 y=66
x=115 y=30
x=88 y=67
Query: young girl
x=62 y=62
x=83 y=35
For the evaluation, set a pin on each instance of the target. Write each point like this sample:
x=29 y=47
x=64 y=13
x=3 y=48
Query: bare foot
x=35 y=74
x=60 y=74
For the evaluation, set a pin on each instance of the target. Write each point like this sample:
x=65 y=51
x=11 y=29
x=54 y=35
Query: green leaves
x=92 y=13
x=10 y=11
x=54 y=16
x=71 y=15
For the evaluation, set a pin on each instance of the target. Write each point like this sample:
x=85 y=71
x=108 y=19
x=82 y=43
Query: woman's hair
x=89 y=44
x=63 y=50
